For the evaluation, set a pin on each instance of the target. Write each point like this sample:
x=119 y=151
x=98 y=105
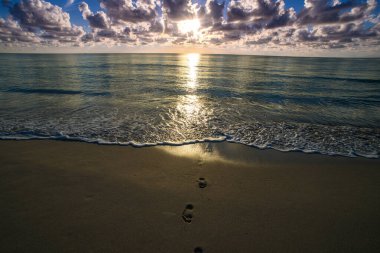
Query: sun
x=189 y=26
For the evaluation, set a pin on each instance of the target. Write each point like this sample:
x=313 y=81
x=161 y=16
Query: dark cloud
x=325 y=12
x=284 y=19
x=243 y=27
x=263 y=13
x=97 y=20
x=250 y=17
x=107 y=33
x=343 y=34
x=126 y=10
x=347 y=31
x=10 y=31
x=211 y=13
x=232 y=36
x=216 y=41
x=38 y=21
x=215 y=9
x=306 y=36
x=88 y=37
x=178 y=9
x=6 y=3
x=263 y=40
x=156 y=27
x=248 y=9
x=39 y=14
x=179 y=41
x=320 y=24
x=127 y=30
x=63 y=36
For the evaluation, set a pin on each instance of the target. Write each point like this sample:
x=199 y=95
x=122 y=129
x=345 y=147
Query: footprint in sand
x=187 y=214
x=89 y=197
x=198 y=250
x=202 y=183
x=209 y=148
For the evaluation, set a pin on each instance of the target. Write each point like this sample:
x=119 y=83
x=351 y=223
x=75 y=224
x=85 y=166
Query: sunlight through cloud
x=189 y=26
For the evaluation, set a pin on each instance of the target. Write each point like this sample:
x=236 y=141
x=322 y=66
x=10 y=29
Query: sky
x=336 y=28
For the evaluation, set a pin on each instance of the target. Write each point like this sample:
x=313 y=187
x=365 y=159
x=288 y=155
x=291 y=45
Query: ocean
x=314 y=105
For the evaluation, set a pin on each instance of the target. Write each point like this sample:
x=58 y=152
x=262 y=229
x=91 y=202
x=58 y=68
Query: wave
x=62 y=137
x=57 y=92
x=330 y=107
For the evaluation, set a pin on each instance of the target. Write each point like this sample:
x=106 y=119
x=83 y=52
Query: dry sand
x=75 y=197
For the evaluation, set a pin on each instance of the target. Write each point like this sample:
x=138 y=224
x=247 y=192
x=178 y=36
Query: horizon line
x=183 y=53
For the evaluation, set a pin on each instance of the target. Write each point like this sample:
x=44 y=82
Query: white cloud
x=69 y=2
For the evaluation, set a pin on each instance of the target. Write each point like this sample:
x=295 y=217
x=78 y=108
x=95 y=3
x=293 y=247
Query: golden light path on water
x=189 y=105
x=191 y=110
x=192 y=64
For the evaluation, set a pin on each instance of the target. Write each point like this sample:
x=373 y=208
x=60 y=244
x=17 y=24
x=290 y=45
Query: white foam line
x=168 y=143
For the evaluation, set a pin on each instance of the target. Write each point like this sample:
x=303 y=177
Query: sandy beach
x=58 y=196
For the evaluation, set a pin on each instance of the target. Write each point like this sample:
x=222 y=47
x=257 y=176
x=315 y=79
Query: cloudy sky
x=279 y=27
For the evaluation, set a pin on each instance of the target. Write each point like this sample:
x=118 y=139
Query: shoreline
x=70 y=196
x=178 y=144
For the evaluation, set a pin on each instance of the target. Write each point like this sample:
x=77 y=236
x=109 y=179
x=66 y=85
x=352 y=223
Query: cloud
x=97 y=20
x=320 y=24
x=127 y=11
x=215 y=9
x=256 y=15
x=323 y=12
x=39 y=22
x=343 y=33
x=11 y=32
x=40 y=14
x=6 y=3
x=211 y=13
x=255 y=10
x=178 y=9
x=69 y=2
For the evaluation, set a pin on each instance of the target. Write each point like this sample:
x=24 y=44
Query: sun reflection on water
x=192 y=73
x=189 y=106
x=190 y=113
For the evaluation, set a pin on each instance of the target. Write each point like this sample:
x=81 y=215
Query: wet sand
x=60 y=196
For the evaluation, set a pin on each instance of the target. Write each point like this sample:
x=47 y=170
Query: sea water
x=324 y=105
